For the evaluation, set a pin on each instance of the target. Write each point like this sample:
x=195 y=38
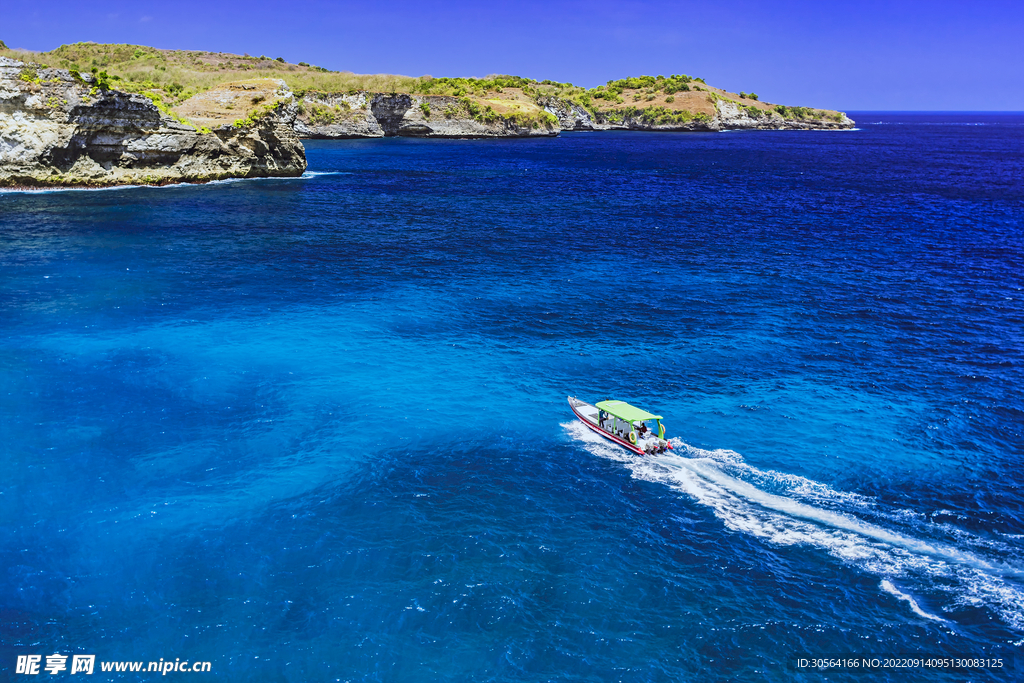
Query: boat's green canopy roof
x=624 y=411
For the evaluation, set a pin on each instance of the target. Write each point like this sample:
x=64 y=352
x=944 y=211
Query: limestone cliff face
x=337 y=116
x=59 y=129
x=725 y=115
x=369 y=115
x=733 y=117
x=570 y=115
x=447 y=117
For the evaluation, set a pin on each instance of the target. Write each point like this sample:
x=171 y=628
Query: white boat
x=628 y=426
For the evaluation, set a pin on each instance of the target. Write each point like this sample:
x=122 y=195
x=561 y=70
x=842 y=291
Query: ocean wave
x=166 y=186
x=785 y=509
x=317 y=174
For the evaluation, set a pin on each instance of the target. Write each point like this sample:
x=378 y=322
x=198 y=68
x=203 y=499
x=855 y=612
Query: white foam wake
x=317 y=174
x=786 y=509
x=888 y=587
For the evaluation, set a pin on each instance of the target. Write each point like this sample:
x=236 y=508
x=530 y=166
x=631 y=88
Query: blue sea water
x=316 y=429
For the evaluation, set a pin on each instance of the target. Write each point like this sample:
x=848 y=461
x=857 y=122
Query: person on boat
x=643 y=430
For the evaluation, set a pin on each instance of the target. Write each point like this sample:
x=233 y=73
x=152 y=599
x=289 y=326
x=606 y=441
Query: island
x=94 y=115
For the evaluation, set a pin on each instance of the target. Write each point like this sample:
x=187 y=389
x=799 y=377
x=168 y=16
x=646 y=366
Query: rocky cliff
x=337 y=116
x=717 y=114
x=571 y=115
x=60 y=128
x=373 y=115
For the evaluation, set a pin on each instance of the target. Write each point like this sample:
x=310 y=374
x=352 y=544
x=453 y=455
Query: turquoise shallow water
x=315 y=429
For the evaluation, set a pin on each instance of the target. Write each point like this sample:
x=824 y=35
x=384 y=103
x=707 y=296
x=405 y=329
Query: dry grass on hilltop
x=179 y=74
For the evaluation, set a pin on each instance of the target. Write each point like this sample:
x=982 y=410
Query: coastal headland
x=97 y=115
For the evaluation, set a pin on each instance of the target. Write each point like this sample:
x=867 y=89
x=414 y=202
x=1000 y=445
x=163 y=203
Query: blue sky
x=885 y=55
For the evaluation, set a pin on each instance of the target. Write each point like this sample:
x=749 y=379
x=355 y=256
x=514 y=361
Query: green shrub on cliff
x=157 y=100
x=458 y=87
x=662 y=116
x=612 y=95
x=529 y=120
x=794 y=112
x=255 y=116
x=470 y=106
x=676 y=83
x=320 y=115
x=425 y=108
x=488 y=115
x=651 y=84
x=654 y=116
x=803 y=113
x=631 y=83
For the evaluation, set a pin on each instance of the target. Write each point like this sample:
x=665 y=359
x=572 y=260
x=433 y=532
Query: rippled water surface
x=315 y=429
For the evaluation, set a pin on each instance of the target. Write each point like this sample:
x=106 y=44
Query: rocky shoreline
x=64 y=129
x=338 y=116
x=59 y=128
